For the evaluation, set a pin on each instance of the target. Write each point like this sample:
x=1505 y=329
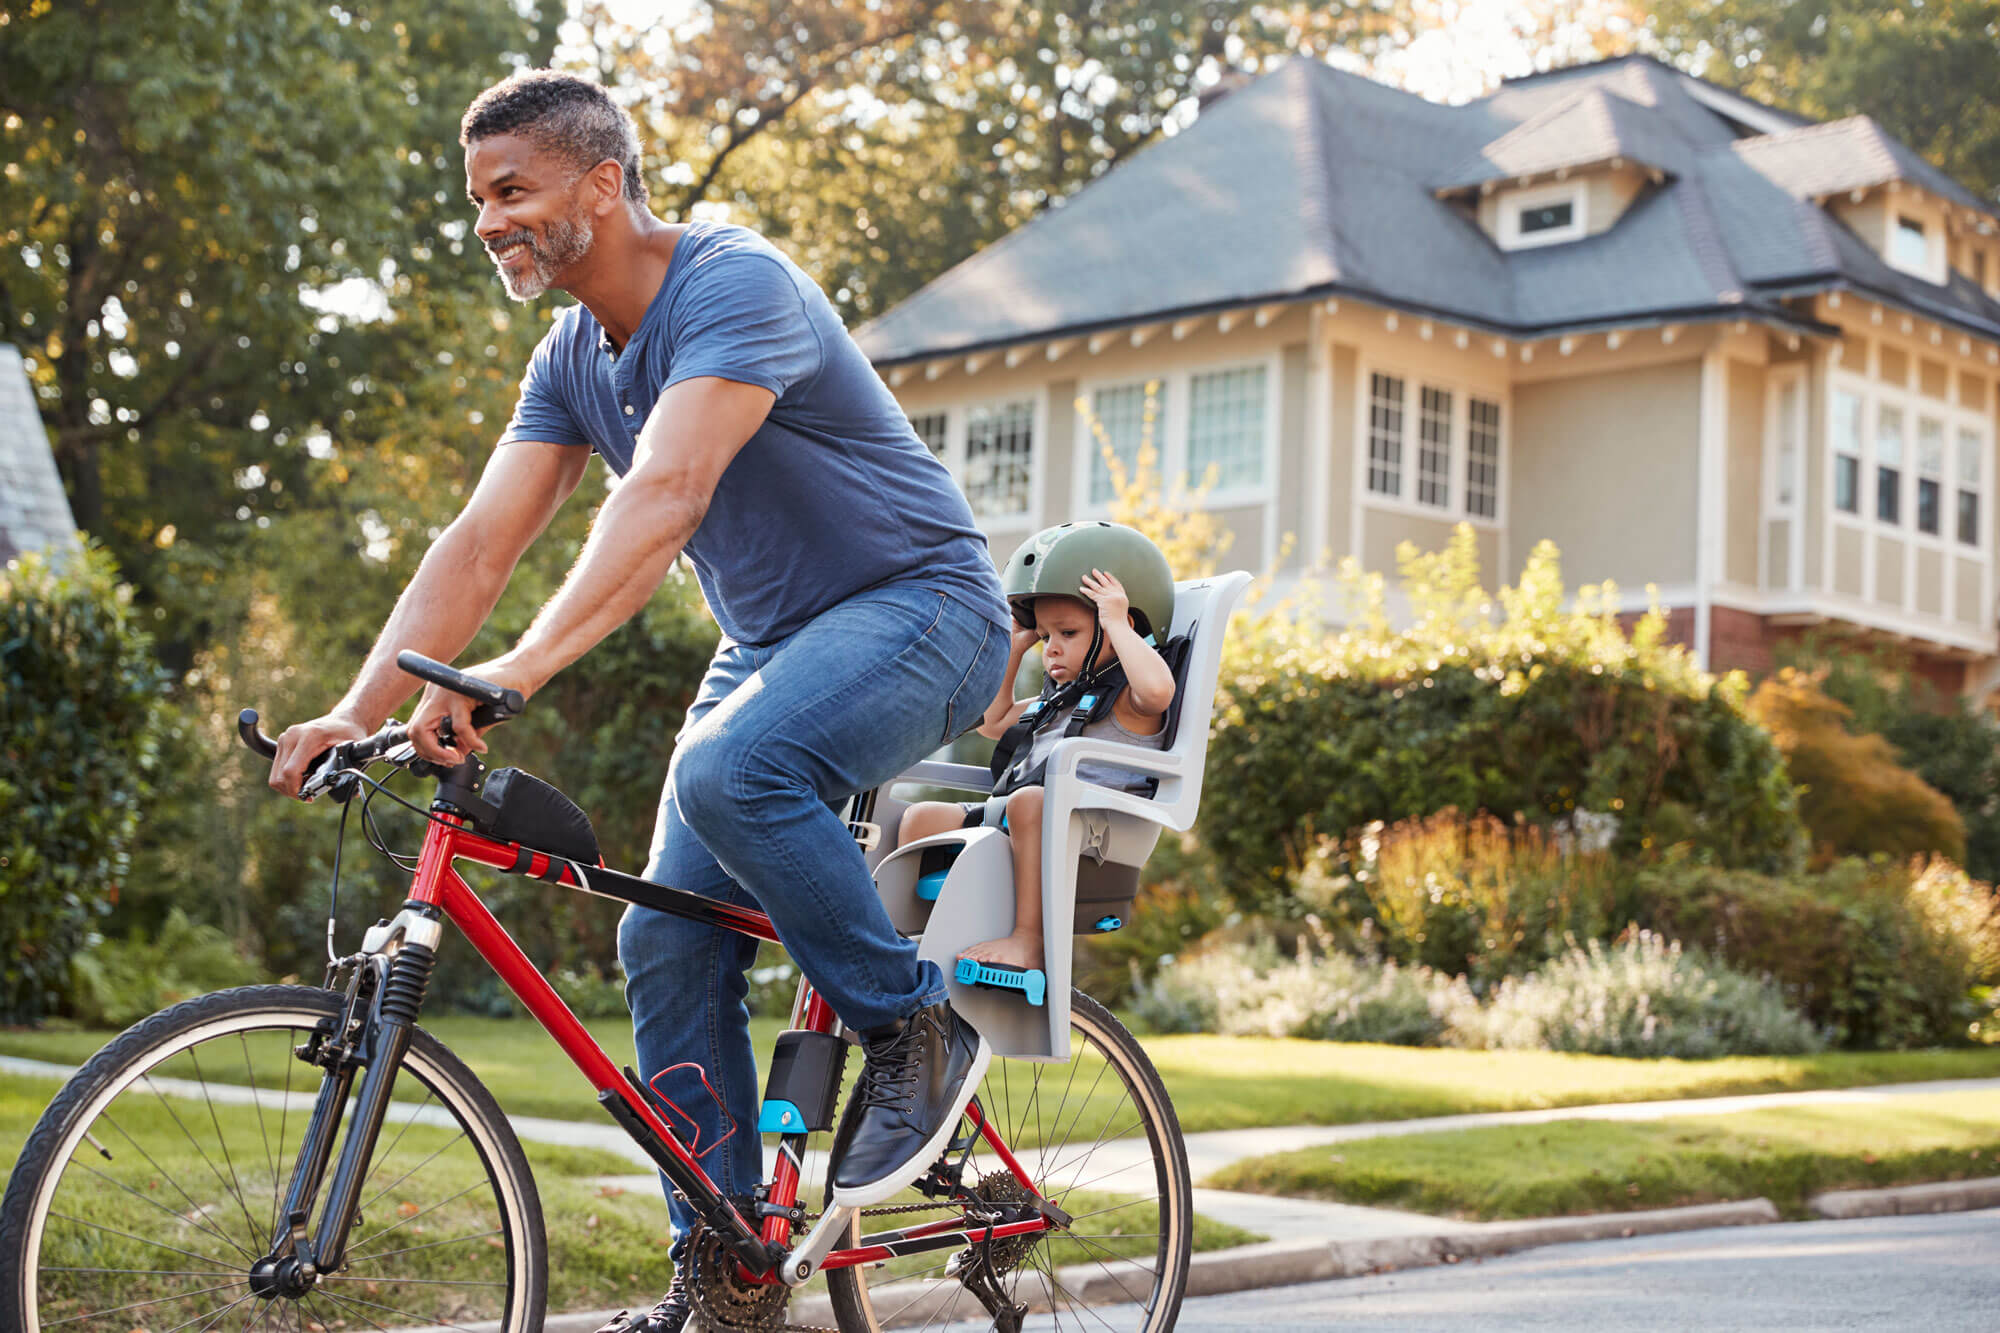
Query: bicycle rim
x=155 y=1180
x=1099 y=1139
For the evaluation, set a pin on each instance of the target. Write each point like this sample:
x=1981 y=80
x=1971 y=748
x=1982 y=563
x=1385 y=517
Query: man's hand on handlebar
x=307 y=741
x=440 y=705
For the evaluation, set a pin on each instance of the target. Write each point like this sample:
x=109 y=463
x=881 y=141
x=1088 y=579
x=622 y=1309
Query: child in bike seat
x=1098 y=597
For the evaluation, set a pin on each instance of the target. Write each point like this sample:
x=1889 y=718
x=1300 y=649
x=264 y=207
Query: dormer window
x=1546 y=216
x=1915 y=243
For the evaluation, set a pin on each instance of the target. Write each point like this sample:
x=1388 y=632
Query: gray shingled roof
x=1591 y=127
x=1311 y=181
x=34 y=514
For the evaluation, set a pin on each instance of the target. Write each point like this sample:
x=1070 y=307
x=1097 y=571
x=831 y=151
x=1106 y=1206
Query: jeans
x=779 y=735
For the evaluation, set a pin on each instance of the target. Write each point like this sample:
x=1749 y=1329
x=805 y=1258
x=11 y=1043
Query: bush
x=1523 y=709
x=1854 y=797
x=1946 y=740
x=1643 y=997
x=119 y=982
x=1471 y=896
x=1254 y=990
x=81 y=717
x=1879 y=957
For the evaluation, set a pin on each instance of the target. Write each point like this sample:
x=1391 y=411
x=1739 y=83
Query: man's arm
x=693 y=433
x=454 y=590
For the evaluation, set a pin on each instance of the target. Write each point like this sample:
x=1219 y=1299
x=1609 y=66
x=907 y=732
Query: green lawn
x=1784 y=1154
x=1226 y=1082
x=1240 y=1082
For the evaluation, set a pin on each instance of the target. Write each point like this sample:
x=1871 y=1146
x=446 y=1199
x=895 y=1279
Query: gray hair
x=562 y=114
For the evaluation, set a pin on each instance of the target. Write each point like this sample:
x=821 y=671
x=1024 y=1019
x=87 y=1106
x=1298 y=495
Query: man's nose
x=490 y=225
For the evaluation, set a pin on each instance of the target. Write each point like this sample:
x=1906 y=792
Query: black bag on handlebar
x=522 y=808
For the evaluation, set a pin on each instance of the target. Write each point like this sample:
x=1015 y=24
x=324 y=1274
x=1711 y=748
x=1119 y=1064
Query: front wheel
x=1099 y=1139
x=151 y=1187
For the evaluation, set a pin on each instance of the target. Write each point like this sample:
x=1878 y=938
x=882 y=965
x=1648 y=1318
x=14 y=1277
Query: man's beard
x=568 y=241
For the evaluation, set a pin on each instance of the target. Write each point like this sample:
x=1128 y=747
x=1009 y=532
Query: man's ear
x=606 y=183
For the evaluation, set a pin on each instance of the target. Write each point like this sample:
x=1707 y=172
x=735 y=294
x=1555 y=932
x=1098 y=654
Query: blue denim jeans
x=778 y=737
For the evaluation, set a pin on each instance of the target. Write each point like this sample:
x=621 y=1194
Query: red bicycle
x=310 y=1158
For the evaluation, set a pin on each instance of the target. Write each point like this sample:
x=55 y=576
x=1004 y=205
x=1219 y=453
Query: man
x=862 y=622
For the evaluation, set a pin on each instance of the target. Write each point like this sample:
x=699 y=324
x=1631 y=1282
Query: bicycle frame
x=763 y=1246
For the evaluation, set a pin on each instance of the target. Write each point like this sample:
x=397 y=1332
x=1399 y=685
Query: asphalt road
x=1938 y=1274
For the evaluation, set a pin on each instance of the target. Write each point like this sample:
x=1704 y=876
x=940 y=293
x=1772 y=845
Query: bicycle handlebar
x=496 y=704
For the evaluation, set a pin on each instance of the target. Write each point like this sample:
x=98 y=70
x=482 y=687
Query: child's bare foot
x=1016 y=950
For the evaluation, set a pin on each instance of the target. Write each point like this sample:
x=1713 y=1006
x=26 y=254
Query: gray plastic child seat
x=1094 y=841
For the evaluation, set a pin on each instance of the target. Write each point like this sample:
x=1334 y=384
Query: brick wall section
x=1747 y=642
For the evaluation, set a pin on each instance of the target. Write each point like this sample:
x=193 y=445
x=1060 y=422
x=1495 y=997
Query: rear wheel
x=1099 y=1139
x=152 y=1185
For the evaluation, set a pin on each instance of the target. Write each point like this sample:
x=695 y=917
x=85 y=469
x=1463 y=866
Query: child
x=1084 y=635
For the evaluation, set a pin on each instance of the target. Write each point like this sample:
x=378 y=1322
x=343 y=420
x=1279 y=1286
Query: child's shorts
x=989 y=813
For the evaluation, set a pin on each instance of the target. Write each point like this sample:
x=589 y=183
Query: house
x=34 y=513
x=1699 y=342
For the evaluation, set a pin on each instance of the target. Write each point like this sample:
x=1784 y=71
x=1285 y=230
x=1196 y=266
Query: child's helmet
x=1052 y=563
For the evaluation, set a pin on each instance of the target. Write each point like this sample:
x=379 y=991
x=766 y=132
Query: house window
x=1121 y=419
x=1910 y=246
x=1385 y=434
x=1543 y=217
x=1434 y=447
x=1889 y=465
x=1482 y=459
x=1930 y=475
x=930 y=428
x=1226 y=427
x=1969 y=454
x=1847 y=452
x=1787 y=481
x=1979 y=268
x=999 y=453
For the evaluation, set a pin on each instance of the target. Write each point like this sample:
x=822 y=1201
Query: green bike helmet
x=1052 y=563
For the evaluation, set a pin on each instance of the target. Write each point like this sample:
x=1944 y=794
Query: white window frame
x=1935 y=265
x=1875 y=394
x=1170 y=440
x=1778 y=509
x=1515 y=202
x=958 y=458
x=1462 y=392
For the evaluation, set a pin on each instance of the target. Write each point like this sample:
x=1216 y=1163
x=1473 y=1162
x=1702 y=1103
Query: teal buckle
x=780 y=1117
x=1107 y=923
x=929 y=886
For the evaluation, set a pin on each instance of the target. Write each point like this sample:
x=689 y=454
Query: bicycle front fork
x=385 y=994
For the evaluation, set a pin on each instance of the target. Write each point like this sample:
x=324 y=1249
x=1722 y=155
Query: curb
x=1948 y=1196
x=1278 y=1264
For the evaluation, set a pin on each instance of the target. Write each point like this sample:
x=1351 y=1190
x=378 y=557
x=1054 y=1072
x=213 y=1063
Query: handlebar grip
x=253 y=735
x=503 y=702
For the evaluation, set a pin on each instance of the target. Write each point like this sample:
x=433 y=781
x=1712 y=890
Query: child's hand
x=1109 y=595
x=1023 y=640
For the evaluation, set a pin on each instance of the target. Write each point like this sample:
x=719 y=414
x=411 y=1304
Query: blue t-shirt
x=834 y=494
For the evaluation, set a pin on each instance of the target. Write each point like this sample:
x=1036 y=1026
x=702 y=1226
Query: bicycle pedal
x=1032 y=982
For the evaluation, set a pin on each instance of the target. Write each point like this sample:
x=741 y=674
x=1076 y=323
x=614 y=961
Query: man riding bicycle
x=862 y=620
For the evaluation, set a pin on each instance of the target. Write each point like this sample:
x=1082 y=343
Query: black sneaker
x=669 y=1316
x=916 y=1079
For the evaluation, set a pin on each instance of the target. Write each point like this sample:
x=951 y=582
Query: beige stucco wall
x=1341 y=444
x=1292 y=444
x=1889 y=587
x=1383 y=530
x=1743 y=470
x=1605 y=465
x=1930 y=582
x=1847 y=561
x=1968 y=608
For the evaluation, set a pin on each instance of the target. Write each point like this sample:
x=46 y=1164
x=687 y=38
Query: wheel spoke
x=407 y=1174
x=222 y=1142
x=99 y=1226
x=416 y=1318
x=270 y=1162
x=119 y=1184
x=201 y=1151
x=361 y=1246
x=140 y=1305
x=215 y=1317
x=379 y=1158
x=196 y=1217
x=358 y=1314
x=428 y=1245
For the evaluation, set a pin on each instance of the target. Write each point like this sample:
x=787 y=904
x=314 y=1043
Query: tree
x=885 y=140
x=1925 y=69
x=215 y=210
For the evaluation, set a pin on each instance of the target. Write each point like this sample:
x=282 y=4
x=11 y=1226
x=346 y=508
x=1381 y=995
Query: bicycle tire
x=270 y=1014
x=866 y=1300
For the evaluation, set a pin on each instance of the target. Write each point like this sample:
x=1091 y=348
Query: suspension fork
x=400 y=979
